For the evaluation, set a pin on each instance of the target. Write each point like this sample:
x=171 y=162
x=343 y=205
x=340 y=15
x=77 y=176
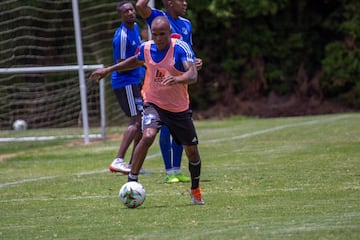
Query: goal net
x=40 y=33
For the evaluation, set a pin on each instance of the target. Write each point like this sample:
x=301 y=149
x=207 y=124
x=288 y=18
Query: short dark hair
x=120 y=4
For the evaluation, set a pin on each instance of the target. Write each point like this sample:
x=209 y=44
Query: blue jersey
x=182 y=53
x=179 y=25
x=125 y=43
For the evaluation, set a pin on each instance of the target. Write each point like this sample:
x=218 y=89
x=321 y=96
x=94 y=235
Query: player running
x=170 y=68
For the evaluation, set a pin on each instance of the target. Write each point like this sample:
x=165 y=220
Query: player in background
x=181 y=28
x=170 y=67
x=127 y=84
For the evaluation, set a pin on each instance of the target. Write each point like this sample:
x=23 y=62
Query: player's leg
x=183 y=130
x=130 y=101
x=151 y=125
x=195 y=169
x=140 y=152
x=166 y=152
x=131 y=134
x=193 y=156
x=177 y=150
x=165 y=147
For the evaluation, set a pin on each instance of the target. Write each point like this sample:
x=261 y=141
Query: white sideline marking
x=52 y=177
x=55 y=199
x=63 y=199
x=246 y=135
x=30 y=139
x=26 y=181
x=48 y=177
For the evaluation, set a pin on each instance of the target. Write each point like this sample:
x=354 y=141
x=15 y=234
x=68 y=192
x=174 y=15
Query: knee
x=135 y=122
x=192 y=153
x=133 y=128
x=134 y=125
x=148 y=137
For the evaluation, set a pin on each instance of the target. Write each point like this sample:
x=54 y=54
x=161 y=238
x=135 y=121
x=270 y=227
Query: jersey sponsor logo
x=160 y=74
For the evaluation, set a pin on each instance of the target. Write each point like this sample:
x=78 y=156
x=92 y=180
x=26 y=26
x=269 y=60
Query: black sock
x=194 y=169
x=132 y=177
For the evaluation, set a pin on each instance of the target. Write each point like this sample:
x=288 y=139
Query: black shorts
x=180 y=124
x=130 y=100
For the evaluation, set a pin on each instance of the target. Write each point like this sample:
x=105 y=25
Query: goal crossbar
x=68 y=68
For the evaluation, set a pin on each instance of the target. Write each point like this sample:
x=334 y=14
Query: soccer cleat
x=171 y=178
x=118 y=165
x=182 y=178
x=196 y=196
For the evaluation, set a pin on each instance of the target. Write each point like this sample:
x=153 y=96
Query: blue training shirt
x=182 y=53
x=180 y=25
x=125 y=43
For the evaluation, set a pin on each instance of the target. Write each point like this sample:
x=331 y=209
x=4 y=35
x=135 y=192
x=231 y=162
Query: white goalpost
x=85 y=120
x=21 y=90
x=47 y=51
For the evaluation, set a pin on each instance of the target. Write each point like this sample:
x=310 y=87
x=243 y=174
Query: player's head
x=161 y=32
x=175 y=7
x=144 y=33
x=126 y=12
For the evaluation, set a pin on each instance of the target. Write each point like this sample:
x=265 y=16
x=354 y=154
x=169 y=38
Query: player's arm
x=188 y=77
x=198 y=63
x=143 y=8
x=184 y=62
x=128 y=64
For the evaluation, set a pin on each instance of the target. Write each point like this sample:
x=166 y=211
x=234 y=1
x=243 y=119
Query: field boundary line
x=46 y=138
x=269 y=130
x=52 y=177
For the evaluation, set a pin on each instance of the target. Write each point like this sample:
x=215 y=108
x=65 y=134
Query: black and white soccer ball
x=132 y=194
x=20 y=125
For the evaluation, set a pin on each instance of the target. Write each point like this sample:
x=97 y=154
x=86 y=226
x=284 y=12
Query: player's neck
x=164 y=49
x=172 y=14
x=129 y=25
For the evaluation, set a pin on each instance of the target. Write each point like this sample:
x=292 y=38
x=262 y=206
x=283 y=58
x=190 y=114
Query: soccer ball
x=20 y=125
x=132 y=194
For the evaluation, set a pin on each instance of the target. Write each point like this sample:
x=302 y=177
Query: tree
x=255 y=48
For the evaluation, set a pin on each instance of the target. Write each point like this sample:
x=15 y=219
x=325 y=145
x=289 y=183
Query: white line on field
x=44 y=138
x=63 y=199
x=26 y=181
x=246 y=135
x=54 y=199
x=52 y=177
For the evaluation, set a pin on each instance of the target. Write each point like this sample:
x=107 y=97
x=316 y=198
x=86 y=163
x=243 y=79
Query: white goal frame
x=81 y=73
x=84 y=111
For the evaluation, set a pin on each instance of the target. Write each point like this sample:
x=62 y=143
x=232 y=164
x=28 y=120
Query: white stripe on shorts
x=131 y=100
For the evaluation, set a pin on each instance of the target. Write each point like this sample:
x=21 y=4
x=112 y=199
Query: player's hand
x=198 y=63
x=168 y=80
x=98 y=74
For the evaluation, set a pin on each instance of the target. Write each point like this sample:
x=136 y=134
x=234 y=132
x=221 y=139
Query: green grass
x=281 y=178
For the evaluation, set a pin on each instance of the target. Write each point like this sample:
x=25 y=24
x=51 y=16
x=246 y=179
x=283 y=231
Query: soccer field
x=279 y=178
